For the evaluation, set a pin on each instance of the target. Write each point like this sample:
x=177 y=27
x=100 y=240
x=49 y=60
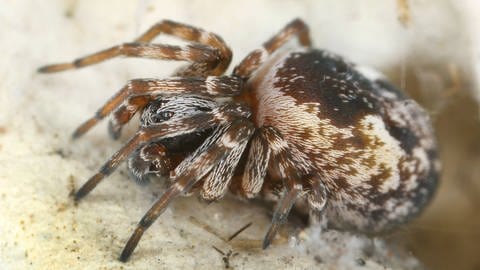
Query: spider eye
x=162 y=116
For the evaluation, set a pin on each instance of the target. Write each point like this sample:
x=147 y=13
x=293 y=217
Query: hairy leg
x=194 y=34
x=295 y=29
x=193 y=53
x=216 y=183
x=283 y=208
x=168 y=129
x=136 y=94
x=316 y=195
x=208 y=49
x=282 y=167
x=257 y=164
x=205 y=158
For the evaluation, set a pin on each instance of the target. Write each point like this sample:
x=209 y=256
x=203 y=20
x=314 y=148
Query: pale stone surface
x=40 y=165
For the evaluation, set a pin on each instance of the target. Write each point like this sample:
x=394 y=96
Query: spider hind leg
x=295 y=177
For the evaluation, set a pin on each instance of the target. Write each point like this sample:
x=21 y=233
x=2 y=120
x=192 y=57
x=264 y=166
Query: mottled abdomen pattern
x=372 y=146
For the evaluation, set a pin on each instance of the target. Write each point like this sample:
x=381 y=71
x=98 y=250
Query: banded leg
x=269 y=150
x=192 y=53
x=216 y=183
x=257 y=164
x=168 y=129
x=282 y=167
x=283 y=208
x=297 y=28
x=210 y=48
x=205 y=159
x=317 y=194
x=137 y=93
x=194 y=34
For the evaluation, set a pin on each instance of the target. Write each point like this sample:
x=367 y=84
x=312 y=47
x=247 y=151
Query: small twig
x=206 y=227
x=218 y=250
x=213 y=231
x=239 y=231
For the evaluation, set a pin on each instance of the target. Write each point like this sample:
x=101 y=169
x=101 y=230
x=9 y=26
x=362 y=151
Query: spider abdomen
x=372 y=147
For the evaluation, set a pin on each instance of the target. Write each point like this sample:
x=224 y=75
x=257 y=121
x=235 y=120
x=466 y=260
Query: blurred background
x=429 y=48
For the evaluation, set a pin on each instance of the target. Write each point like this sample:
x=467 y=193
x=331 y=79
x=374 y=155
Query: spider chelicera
x=299 y=124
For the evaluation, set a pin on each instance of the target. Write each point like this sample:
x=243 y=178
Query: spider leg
x=218 y=180
x=120 y=117
x=194 y=34
x=137 y=93
x=283 y=209
x=193 y=53
x=205 y=158
x=208 y=48
x=297 y=28
x=317 y=195
x=282 y=167
x=257 y=164
x=198 y=122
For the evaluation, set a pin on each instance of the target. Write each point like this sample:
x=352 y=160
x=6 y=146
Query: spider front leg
x=194 y=53
x=297 y=28
x=136 y=94
x=209 y=49
x=194 y=34
x=192 y=170
x=168 y=129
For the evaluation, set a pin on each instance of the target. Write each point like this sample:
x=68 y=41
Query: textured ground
x=434 y=54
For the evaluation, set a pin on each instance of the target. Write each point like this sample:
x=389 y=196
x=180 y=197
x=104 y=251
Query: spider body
x=372 y=147
x=300 y=125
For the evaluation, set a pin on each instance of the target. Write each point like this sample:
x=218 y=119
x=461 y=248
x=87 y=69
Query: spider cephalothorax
x=354 y=149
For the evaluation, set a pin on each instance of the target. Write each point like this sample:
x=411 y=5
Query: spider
x=299 y=126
